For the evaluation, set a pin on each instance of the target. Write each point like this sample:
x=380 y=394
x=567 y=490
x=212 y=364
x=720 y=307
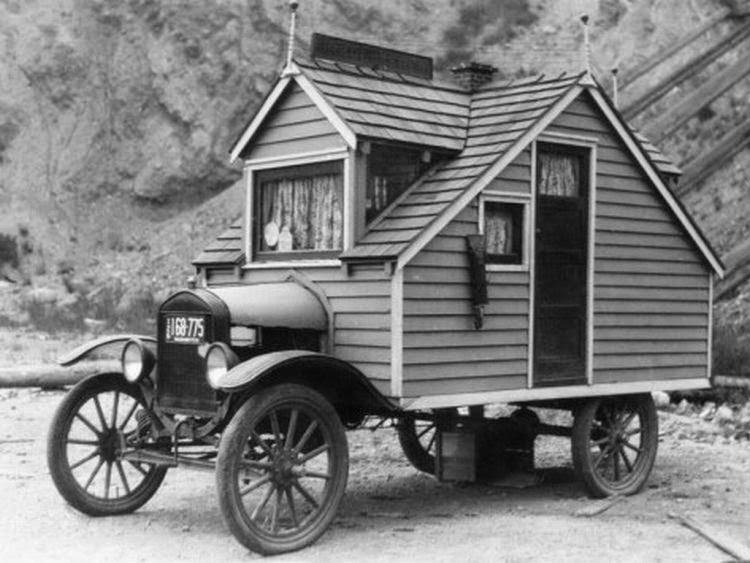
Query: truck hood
x=282 y=304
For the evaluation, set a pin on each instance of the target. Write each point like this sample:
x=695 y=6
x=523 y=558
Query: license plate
x=184 y=329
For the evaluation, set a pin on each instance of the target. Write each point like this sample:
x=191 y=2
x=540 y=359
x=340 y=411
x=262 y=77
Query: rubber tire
x=420 y=458
x=582 y=462
x=232 y=444
x=57 y=459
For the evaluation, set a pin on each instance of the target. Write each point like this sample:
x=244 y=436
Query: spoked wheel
x=282 y=469
x=614 y=444
x=91 y=426
x=418 y=440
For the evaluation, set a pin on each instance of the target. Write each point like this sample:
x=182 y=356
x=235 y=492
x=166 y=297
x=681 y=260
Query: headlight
x=137 y=361
x=219 y=360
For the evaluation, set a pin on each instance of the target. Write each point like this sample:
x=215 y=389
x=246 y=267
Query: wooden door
x=561 y=266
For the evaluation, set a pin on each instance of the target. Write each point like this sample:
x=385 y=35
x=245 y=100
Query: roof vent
x=372 y=56
x=473 y=75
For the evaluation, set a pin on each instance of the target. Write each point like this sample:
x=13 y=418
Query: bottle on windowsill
x=285 y=239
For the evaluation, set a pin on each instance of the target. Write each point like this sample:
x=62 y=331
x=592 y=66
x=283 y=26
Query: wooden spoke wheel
x=614 y=443
x=282 y=469
x=418 y=439
x=91 y=426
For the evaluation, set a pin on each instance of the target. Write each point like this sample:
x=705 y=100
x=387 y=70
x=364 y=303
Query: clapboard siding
x=651 y=286
x=458 y=385
x=442 y=351
x=361 y=304
x=294 y=126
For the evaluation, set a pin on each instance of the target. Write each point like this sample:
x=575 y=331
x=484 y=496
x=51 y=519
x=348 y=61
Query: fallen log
x=731 y=381
x=728 y=545
x=52 y=375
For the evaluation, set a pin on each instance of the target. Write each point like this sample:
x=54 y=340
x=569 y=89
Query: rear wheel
x=614 y=443
x=92 y=424
x=418 y=439
x=282 y=469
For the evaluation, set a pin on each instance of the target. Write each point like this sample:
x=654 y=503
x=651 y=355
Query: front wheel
x=282 y=469
x=94 y=420
x=614 y=443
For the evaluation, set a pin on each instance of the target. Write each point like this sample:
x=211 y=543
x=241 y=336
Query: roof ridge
x=529 y=81
x=385 y=75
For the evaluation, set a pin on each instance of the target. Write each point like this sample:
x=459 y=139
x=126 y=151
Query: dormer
x=337 y=141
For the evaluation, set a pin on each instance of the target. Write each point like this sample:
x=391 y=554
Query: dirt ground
x=391 y=512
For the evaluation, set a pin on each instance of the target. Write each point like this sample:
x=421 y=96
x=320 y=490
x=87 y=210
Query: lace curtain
x=302 y=213
x=559 y=174
x=498 y=230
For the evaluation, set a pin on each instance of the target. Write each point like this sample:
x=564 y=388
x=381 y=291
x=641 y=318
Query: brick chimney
x=473 y=75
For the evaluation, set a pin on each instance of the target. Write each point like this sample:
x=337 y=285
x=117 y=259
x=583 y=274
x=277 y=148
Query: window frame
x=266 y=260
x=524 y=200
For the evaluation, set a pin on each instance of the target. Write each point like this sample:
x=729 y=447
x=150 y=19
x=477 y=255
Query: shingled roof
x=389 y=106
x=474 y=131
x=498 y=116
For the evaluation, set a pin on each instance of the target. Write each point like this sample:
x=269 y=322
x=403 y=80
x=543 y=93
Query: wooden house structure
x=366 y=179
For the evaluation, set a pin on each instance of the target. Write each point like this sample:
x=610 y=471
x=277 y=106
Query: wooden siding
x=442 y=351
x=361 y=307
x=515 y=177
x=651 y=286
x=294 y=126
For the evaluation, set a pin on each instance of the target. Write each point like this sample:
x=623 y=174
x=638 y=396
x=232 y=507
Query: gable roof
x=481 y=133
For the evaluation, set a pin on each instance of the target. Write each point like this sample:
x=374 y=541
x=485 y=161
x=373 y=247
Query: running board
x=167 y=460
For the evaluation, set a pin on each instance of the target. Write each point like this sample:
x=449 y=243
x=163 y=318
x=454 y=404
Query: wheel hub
x=109 y=444
x=283 y=469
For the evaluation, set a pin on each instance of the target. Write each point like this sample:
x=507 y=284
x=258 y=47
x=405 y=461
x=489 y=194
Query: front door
x=561 y=265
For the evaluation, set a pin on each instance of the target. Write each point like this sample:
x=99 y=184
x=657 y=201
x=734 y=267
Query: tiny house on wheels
x=414 y=250
x=367 y=179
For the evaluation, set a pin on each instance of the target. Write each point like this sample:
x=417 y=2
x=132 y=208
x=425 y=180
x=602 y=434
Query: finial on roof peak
x=586 y=49
x=289 y=66
x=615 y=88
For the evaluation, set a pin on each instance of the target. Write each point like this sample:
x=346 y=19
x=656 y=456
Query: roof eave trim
x=437 y=225
x=327 y=109
x=293 y=73
x=259 y=117
x=638 y=152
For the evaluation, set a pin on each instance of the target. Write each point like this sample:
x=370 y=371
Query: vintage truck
x=414 y=250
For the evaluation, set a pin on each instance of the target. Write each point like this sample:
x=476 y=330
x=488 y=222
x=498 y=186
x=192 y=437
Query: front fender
x=86 y=349
x=339 y=381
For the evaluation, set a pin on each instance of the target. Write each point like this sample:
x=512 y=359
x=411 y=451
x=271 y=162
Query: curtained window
x=299 y=210
x=390 y=171
x=559 y=174
x=503 y=231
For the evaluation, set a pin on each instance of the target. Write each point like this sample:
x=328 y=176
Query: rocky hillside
x=116 y=118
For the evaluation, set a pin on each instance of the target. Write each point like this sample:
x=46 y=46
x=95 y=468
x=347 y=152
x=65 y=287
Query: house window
x=503 y=228
x=390 y=171
x=299 y=211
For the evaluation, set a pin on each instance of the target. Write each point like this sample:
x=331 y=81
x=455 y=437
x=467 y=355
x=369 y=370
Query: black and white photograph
x=356 y=280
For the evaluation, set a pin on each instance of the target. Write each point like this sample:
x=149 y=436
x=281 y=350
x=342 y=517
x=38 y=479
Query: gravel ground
x=391 y=512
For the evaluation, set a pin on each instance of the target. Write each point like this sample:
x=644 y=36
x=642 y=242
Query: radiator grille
x=181 y=383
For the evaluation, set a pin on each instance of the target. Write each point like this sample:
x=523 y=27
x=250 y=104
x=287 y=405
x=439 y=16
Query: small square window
x=503 y=230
